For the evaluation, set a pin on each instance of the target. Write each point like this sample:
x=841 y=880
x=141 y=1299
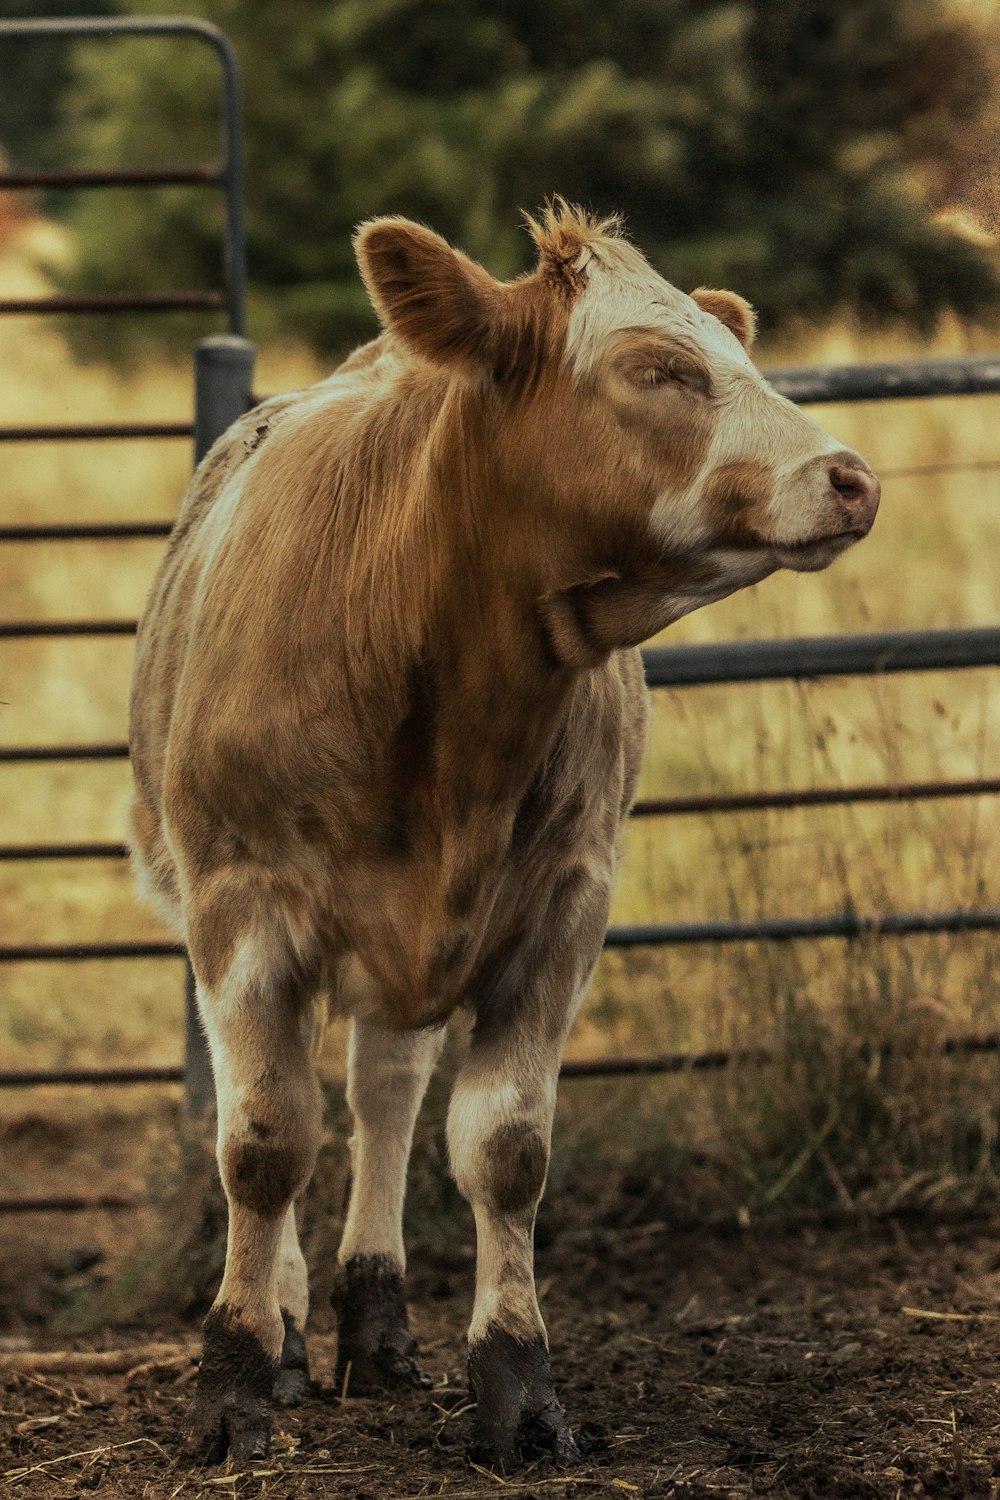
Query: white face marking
x=751 y=421
x=623 y=291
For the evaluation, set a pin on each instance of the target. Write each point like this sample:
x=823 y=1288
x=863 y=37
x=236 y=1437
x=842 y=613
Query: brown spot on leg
x=517 y=1413
x=232 y=1410
x=261 y=1177
x=516 y=1161
x=375 y=1349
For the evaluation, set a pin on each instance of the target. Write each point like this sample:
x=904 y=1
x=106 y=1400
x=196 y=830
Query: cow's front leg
x=499 y=1135
x=388 y=1072
x=499 y=1130
x=259 y=1029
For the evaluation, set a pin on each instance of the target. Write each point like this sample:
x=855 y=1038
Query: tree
x=35 y=76
x=785 y=147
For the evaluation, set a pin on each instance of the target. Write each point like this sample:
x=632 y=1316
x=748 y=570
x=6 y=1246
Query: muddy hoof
x=517 y=1414
x=291 y=1383
x=232 y=1409
x=375 y=1349
x=237 y=1424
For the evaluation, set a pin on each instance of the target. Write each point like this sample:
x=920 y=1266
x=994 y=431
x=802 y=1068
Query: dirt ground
x=787 y=1361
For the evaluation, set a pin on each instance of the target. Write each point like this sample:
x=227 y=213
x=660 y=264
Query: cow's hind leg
x=259 y=1026
x=388 y=1072
x=291 y=1383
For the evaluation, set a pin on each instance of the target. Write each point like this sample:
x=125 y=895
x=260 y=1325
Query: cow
x=387 y=717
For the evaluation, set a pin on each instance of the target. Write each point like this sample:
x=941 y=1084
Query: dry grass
x=929 y=563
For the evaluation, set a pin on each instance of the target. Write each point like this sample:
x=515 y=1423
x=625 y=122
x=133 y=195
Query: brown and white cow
x=387 y=717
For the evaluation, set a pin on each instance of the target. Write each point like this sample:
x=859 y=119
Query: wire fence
x=223 y=385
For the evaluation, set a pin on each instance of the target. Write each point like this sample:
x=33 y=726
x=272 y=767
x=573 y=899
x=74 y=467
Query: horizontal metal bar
x=26 y=953
x=68 y=27
x=83 y=177
x=599 y=1067
x=98 y=432
x=733 y=661
x=908 y=791
x=709 y=1062
x=13 y=852
x=787 y=929
x=29 y=1078
x=22 y=630
x=767 y=929
x=753 y=802
x=822 y=656
x=117 y=302
x=902 y=379
x=671 y=1062
x=88 y=531
x=27 y=754
x=73 y=1203
x=650 y=807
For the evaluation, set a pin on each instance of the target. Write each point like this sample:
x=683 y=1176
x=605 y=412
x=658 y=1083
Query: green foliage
x=772 y=145
x=35 y=74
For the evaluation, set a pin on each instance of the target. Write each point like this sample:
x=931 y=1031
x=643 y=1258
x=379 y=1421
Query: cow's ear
x=437 y=301
x=733 y=311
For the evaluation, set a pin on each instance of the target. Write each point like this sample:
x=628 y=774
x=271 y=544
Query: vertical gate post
x=223 y=384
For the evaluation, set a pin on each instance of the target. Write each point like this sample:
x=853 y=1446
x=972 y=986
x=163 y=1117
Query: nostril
x=851 y=484
x=856 y=486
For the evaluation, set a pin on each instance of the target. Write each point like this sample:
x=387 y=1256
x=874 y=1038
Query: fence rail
x=971 y=375
x=92 y=432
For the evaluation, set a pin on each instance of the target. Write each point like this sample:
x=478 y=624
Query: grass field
x=930 y=562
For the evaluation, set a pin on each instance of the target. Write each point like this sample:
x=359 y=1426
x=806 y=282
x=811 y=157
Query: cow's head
x=628 y=414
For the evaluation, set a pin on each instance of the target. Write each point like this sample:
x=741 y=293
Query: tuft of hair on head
x=563 y=231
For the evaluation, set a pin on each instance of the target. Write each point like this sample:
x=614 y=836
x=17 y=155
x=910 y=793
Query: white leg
x=259 y=1024
x=292 y=1380
x=293 y=1278
x=388 y=1073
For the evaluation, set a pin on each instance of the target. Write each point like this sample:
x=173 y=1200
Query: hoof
x=375 y=1349
x=232 y=1409
x=291 y=1383
x=518 y=1417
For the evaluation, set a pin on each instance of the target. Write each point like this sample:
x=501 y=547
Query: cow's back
x=211 y=510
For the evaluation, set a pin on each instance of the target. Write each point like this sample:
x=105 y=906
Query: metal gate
x=223 y=384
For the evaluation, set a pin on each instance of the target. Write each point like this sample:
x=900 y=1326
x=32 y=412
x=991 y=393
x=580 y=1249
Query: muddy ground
x=783 y=1360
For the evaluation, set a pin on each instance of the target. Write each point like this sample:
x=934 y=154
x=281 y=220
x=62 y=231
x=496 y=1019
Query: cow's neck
x=503 y=692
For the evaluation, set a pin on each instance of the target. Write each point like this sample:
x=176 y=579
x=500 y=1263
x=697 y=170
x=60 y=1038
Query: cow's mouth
x=817 y=552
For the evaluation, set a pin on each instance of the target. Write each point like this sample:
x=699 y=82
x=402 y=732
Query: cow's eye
x=678 y=370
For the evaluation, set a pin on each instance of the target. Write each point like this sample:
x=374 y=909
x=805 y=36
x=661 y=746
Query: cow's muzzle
x=856 y=490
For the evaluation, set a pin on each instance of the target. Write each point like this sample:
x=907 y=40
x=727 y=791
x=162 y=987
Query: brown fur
x=735 y=499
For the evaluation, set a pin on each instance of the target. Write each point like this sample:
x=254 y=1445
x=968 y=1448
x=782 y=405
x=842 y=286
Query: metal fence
x=223 y=383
